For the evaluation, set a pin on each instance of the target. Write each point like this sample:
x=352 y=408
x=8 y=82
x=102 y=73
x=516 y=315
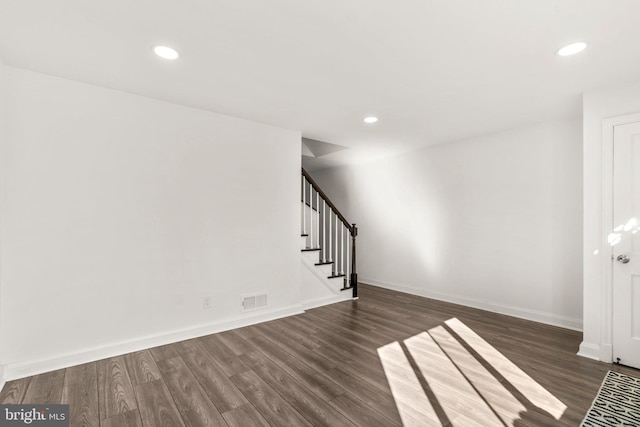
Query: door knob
x=623 y=258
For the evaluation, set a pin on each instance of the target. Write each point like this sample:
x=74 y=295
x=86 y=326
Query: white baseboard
x=14 y=371
x=589 y=350
x=523 y=313
x=319 y=302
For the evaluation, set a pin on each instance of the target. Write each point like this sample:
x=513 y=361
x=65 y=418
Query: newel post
x=354 y=274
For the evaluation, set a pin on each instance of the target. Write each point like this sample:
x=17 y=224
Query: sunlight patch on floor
x=411 y=400
x=456 y=395
x=436 y=379
x=530 y=389
x=503 y=403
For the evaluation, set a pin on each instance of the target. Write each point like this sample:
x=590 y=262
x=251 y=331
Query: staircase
x=328 y=241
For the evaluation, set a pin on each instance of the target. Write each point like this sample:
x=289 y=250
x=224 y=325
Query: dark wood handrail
x=328 y=202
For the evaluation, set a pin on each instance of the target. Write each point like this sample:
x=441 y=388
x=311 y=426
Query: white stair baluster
x=337 y=259
x=311 y=229
x=330 y=248
x=324 y=230
x=348 y=269
x=338 y=242
x=304 y=206
x=318 y=220
x=342 y=246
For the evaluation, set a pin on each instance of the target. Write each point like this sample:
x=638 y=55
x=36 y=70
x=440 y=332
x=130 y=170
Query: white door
x=625 y=240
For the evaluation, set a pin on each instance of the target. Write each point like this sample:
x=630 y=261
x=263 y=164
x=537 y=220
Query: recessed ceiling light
x=370 y=119
x=572 y=49
x=166 y=52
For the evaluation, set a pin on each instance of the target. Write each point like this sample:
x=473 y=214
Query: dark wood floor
x=387 y=359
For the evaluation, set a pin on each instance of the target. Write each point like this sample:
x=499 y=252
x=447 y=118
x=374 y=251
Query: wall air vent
x=252 y=302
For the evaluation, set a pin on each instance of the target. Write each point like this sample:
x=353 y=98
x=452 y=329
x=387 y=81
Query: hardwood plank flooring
x=141 y=367
x=45 y=388
x=114 y=387
x=157 y=407
x=222 y=392
x=266 y=400
x=194 y=405
x=388 y=359
x=13 y=392
x=164 y=352
x=228 y=361
x=298 y=369
x=126 y=419
x=245 y=415
x=81 y=392
x=307 y=403
x=360 y=413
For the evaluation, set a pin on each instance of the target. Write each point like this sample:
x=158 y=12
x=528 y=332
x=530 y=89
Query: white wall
x=2 y=142
x=597 y=106
x=494 y=222
x=121 y=212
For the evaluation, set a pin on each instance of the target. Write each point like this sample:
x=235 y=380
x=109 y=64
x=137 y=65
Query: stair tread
x=304 y=235
x=336 y=275
x=310 y=249
x=324 y=263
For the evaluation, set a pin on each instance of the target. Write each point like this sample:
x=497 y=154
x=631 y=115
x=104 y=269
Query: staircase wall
x=317 y=290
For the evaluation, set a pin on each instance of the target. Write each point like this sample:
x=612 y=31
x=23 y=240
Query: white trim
x=589 y=350
x=606 y=353
x=606 y=309
x=523 y=313
x=606 y=228
x=14 y=371
x=319 y=302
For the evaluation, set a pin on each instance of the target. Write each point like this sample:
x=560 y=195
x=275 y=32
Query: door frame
x=606 y=332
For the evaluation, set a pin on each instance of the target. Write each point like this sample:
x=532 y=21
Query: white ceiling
x=433 y=70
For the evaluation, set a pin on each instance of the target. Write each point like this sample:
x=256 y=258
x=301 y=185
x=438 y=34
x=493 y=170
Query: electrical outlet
x=206 y=302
